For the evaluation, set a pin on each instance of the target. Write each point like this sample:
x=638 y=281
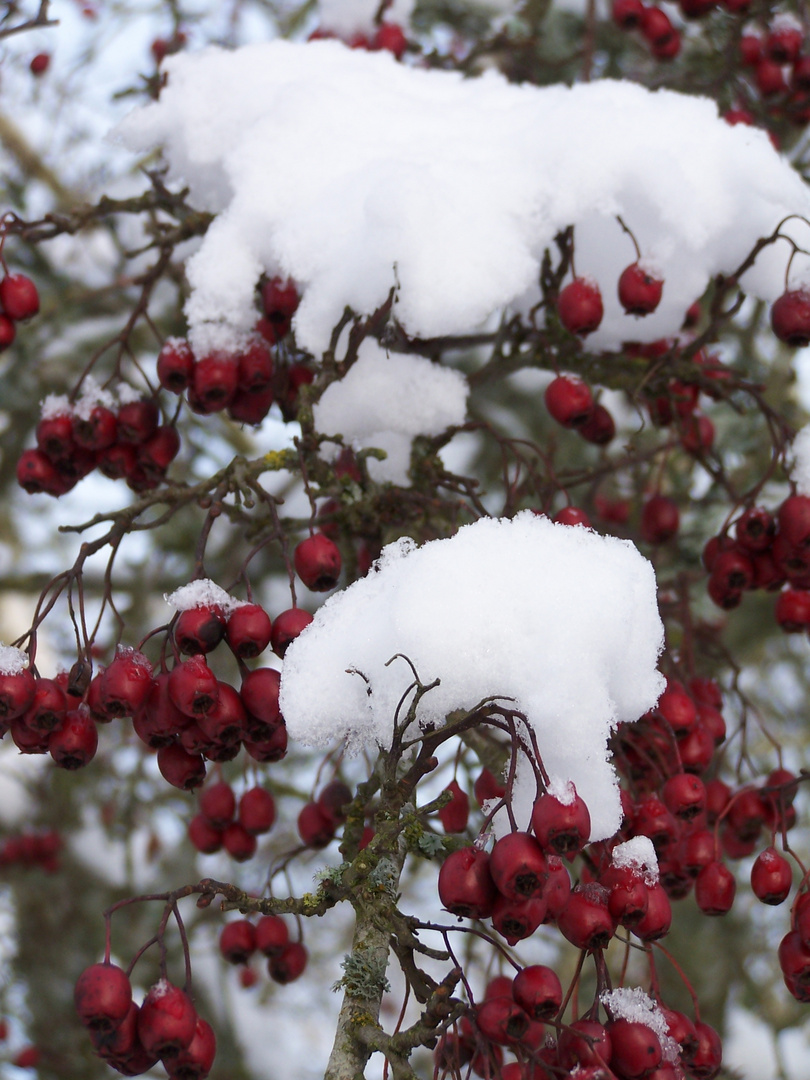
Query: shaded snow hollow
x=560 y=619
x=352 y=173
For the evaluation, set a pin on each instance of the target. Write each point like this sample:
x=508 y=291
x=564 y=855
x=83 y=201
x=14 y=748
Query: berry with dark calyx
x=569 y=400
x=656 y=921
x=205 y=837
x=639 y=291
x=793 y=610
x=538 y=991
x=518 y=866
x=17 y=690
x=96 y=430
x=257 y=811
x=783 y=43
x=790 y=315
x=771 y=877
x=635 y=1048
x=255 y=368
x=755 y=528
x=660 y=519
x=288 y=964
x=218 y=804
x=238 y=842
x=55 y=437
x=286 y=628
x=102 y=996
x=137 y=421
x=715 y=887
x=561 y=826
x=19 y=298
x=196 y=1061
x=466 y=888
x=193 y=687
x=708 y=1056
x=280 y=300
x=584 y=1043
x=250 y=406
x=501 y=1020
x=117 y=462
x=599 y=428
x=677 y=708
x=657 y=29
x=73 y=744
x=167 y=1019
x=259 y=693
x=248 y=630
x=317 y=562
x=272 y=748
x=586 y=920
x=747 y=813
x=125 y=683
x=733 y=571
x=580 y=306
x=684 y=795
x=627 y=899
x=38 y=475
x=271 y=935
x=315 y=827
x=154 y=456
x=627 y=13
x=334 y=800
x=175 y=365
x=215 y=381
x=516 y=919
x=237 y=941
x=179 y=768
x=48 y=706
x=455 y=814
x=199 y=630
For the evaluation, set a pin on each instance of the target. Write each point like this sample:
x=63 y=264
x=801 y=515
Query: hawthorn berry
x=288 y=963
x=271 y=935
x=771 y=877
x=286 y=628
x=455 y=814
x=248 y=630
x=167 y=1020
x=257 y=811
x=569 y=400
x=181 y=769
x=660 y=519
x=175 y=365
x=238 y=842
x=19 y=298
x=580 y=306
x=102 y=996
x=562 y=827
x=518 y=866
x=790 y=314
x=537 y=989
x=237 y=941
x=639 y=292
x=317 y=562
x=465 y=884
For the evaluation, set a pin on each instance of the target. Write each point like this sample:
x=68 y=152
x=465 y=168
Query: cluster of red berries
x=19 y=300
x=511 y=1017
x=320 y=819
x=131 y=1038
x=45 y=717
x=570 y=402
x=653 y=23
x=244 y=382
x=270 y=936
x=781 y=72
x=580 y=307
x=388 y=37
x=766 y=551
x=127 y=442
x=38 y=850
x=222 y=823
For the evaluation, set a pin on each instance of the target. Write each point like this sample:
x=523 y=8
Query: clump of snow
x=126 y=394
x=800 y=473
x=637 y=853
x=631 y=1003
x=384 y=401
x=353 y=173
x=562 y=790
x=93 y=394
x=133 y=654
x=202 y=593
x=12 y=660
x=563 y=621
x=55 y=405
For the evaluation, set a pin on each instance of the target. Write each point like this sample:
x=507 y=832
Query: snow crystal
x=354 y=173
x=126 y=394
x=639 y=854
x=563 y=621
x=12 y=661
x=385 y=401
x=562 y=790
x=626 y=1003
x=202 y=593
x=800 y=473
x=55 y=405
x=92 y=395
x=135 y=655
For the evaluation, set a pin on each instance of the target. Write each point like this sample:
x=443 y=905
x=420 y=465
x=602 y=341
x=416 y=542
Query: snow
x=354 y=174
x=12 y=660
x=639 y=854
x=561 y=620
x=626 y=1003
x=93 y=395
x=384 y=401
x=800 y=473
x=202 y=593
x=55 y=405
x=563 y=791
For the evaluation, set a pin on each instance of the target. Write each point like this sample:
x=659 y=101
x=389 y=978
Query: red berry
x=518 y=866
x=655 y=923
x=390 y=37
x=199 y=630
x=537 y=989
x=317 y=562
x=315 y=826
x=562 y=827
x=456 y=813
x=790 y=315
x=196 y=1061
x=8 y=332
x=771 y=877
x=486 y=787
x=501 y=1020
x=715 y=887
x=39 y=63
x=218 y=804
x=97 y=430
x=684 y=796
x=18 y=296
x=237 y=941
x=583 y=1043
x=580 y=306
x=288 y=964
x=569 y=400
x=27 y=1058
x=586 y=920
x=770 y=80
x=658 y=30
x=175 y=365
x=215 y=381
x=205 y=837
x=102 y=996
x=193 y=687
x=782 y=45
x=635 y=1049
x=137 y=421
x=639 y=292
x=517 y=918
x=286 y=628
x=271 y=935
x=259 y=693
x=257 y=811
x=599 y=428
x=572 y=515
x=154 y=456
x=660 y=519
x=708 y=1057
x=125 y=683
x=280 y=300
x=238 y=842
x=167 y=1020
x=74 y=742
x=17 y=692
x=179 y=768
x=628 y=13
x=465 y=884
x=334 y=801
